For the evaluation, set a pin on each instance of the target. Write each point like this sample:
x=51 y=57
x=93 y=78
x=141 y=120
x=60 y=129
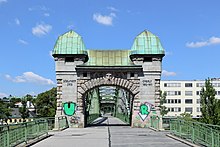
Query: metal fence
x=15 y=134
x=123 y=117
x=195 y=132
x=92 y=117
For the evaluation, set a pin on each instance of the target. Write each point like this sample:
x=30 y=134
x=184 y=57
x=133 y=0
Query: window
x=175 y=101
x=172 y=84
x=200 y=84
x=188 y=93
x=132 y=74
x=84 y=74
x=188 y=101
x=217 y=92
x=198 y=92
x=188 y=84
x=189 y=109
x=197 y=101
x=216 y=84
x=174 y=109
x=198 y=109
x=173 y=92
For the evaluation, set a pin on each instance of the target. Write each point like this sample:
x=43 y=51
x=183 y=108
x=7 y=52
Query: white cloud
x=168 y=73
x=211 y=41
x=22 y=41
x=17 y=21
x=3 y=95
x=3 y=1
x=38 y=8
x=41 y=29
x=104 y=19
x=112 y=9
x=30 y=77
x=46 y=14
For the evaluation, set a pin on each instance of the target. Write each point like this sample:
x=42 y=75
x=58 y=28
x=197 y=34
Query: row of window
x=187 y=93
x=189 y=84
x=173 y=101
x=174 y=109
x=178 y=101
x=187 y=109
x=177 y=84
x=216 y=92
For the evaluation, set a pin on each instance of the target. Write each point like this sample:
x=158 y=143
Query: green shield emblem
x=69 y=108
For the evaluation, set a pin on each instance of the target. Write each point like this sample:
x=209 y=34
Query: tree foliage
x=23 y=109
x=186 y=116
x=13 y=101
x=163 y=109
x=5 y=111
x=210 y=106
x=46 y=103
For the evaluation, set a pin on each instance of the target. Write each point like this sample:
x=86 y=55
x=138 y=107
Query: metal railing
x=154 y=122
x=92 y=117
x=63 y=123
x=15 y=134
x=123 y=117
x=195 y=132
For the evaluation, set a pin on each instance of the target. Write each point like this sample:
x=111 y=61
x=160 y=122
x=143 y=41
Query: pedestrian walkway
x=107 y=134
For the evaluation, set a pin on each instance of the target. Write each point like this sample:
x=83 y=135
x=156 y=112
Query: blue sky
x=189 y=31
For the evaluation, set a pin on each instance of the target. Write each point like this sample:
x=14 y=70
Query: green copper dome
x=147 y=43
x=69 y=43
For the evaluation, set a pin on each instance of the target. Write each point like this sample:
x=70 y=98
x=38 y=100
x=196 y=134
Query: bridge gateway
x=80 y=73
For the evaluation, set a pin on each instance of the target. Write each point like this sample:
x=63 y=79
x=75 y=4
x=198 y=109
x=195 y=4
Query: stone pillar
x=146 y=102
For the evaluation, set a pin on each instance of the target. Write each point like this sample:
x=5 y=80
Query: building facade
x=184 y=96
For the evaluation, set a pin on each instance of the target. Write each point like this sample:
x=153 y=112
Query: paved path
x=107 y=134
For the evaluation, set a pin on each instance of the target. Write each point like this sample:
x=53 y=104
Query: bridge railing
x=123 y=117
x=195 y=132
x=154 y=122
x=15 y=134
x=91 y=118
x=63 y=123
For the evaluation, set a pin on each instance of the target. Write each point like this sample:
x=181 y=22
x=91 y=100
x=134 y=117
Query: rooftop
x=71 y=43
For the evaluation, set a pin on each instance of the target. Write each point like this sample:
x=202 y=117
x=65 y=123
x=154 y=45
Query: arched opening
x=104 y=104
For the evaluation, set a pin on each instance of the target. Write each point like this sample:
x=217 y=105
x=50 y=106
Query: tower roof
x=69 y=43
x=147 y=43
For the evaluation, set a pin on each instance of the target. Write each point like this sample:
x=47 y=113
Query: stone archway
x=83 y=86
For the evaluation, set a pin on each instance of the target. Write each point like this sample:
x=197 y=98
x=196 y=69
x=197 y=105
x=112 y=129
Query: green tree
x=210 y=106
x=13 y=101
x=23 y=109
x=186 y=116
x=5 y=111
x=163 y=109
x=46 y=103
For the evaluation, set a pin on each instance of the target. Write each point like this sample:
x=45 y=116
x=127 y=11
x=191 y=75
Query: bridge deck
x=108 y=134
